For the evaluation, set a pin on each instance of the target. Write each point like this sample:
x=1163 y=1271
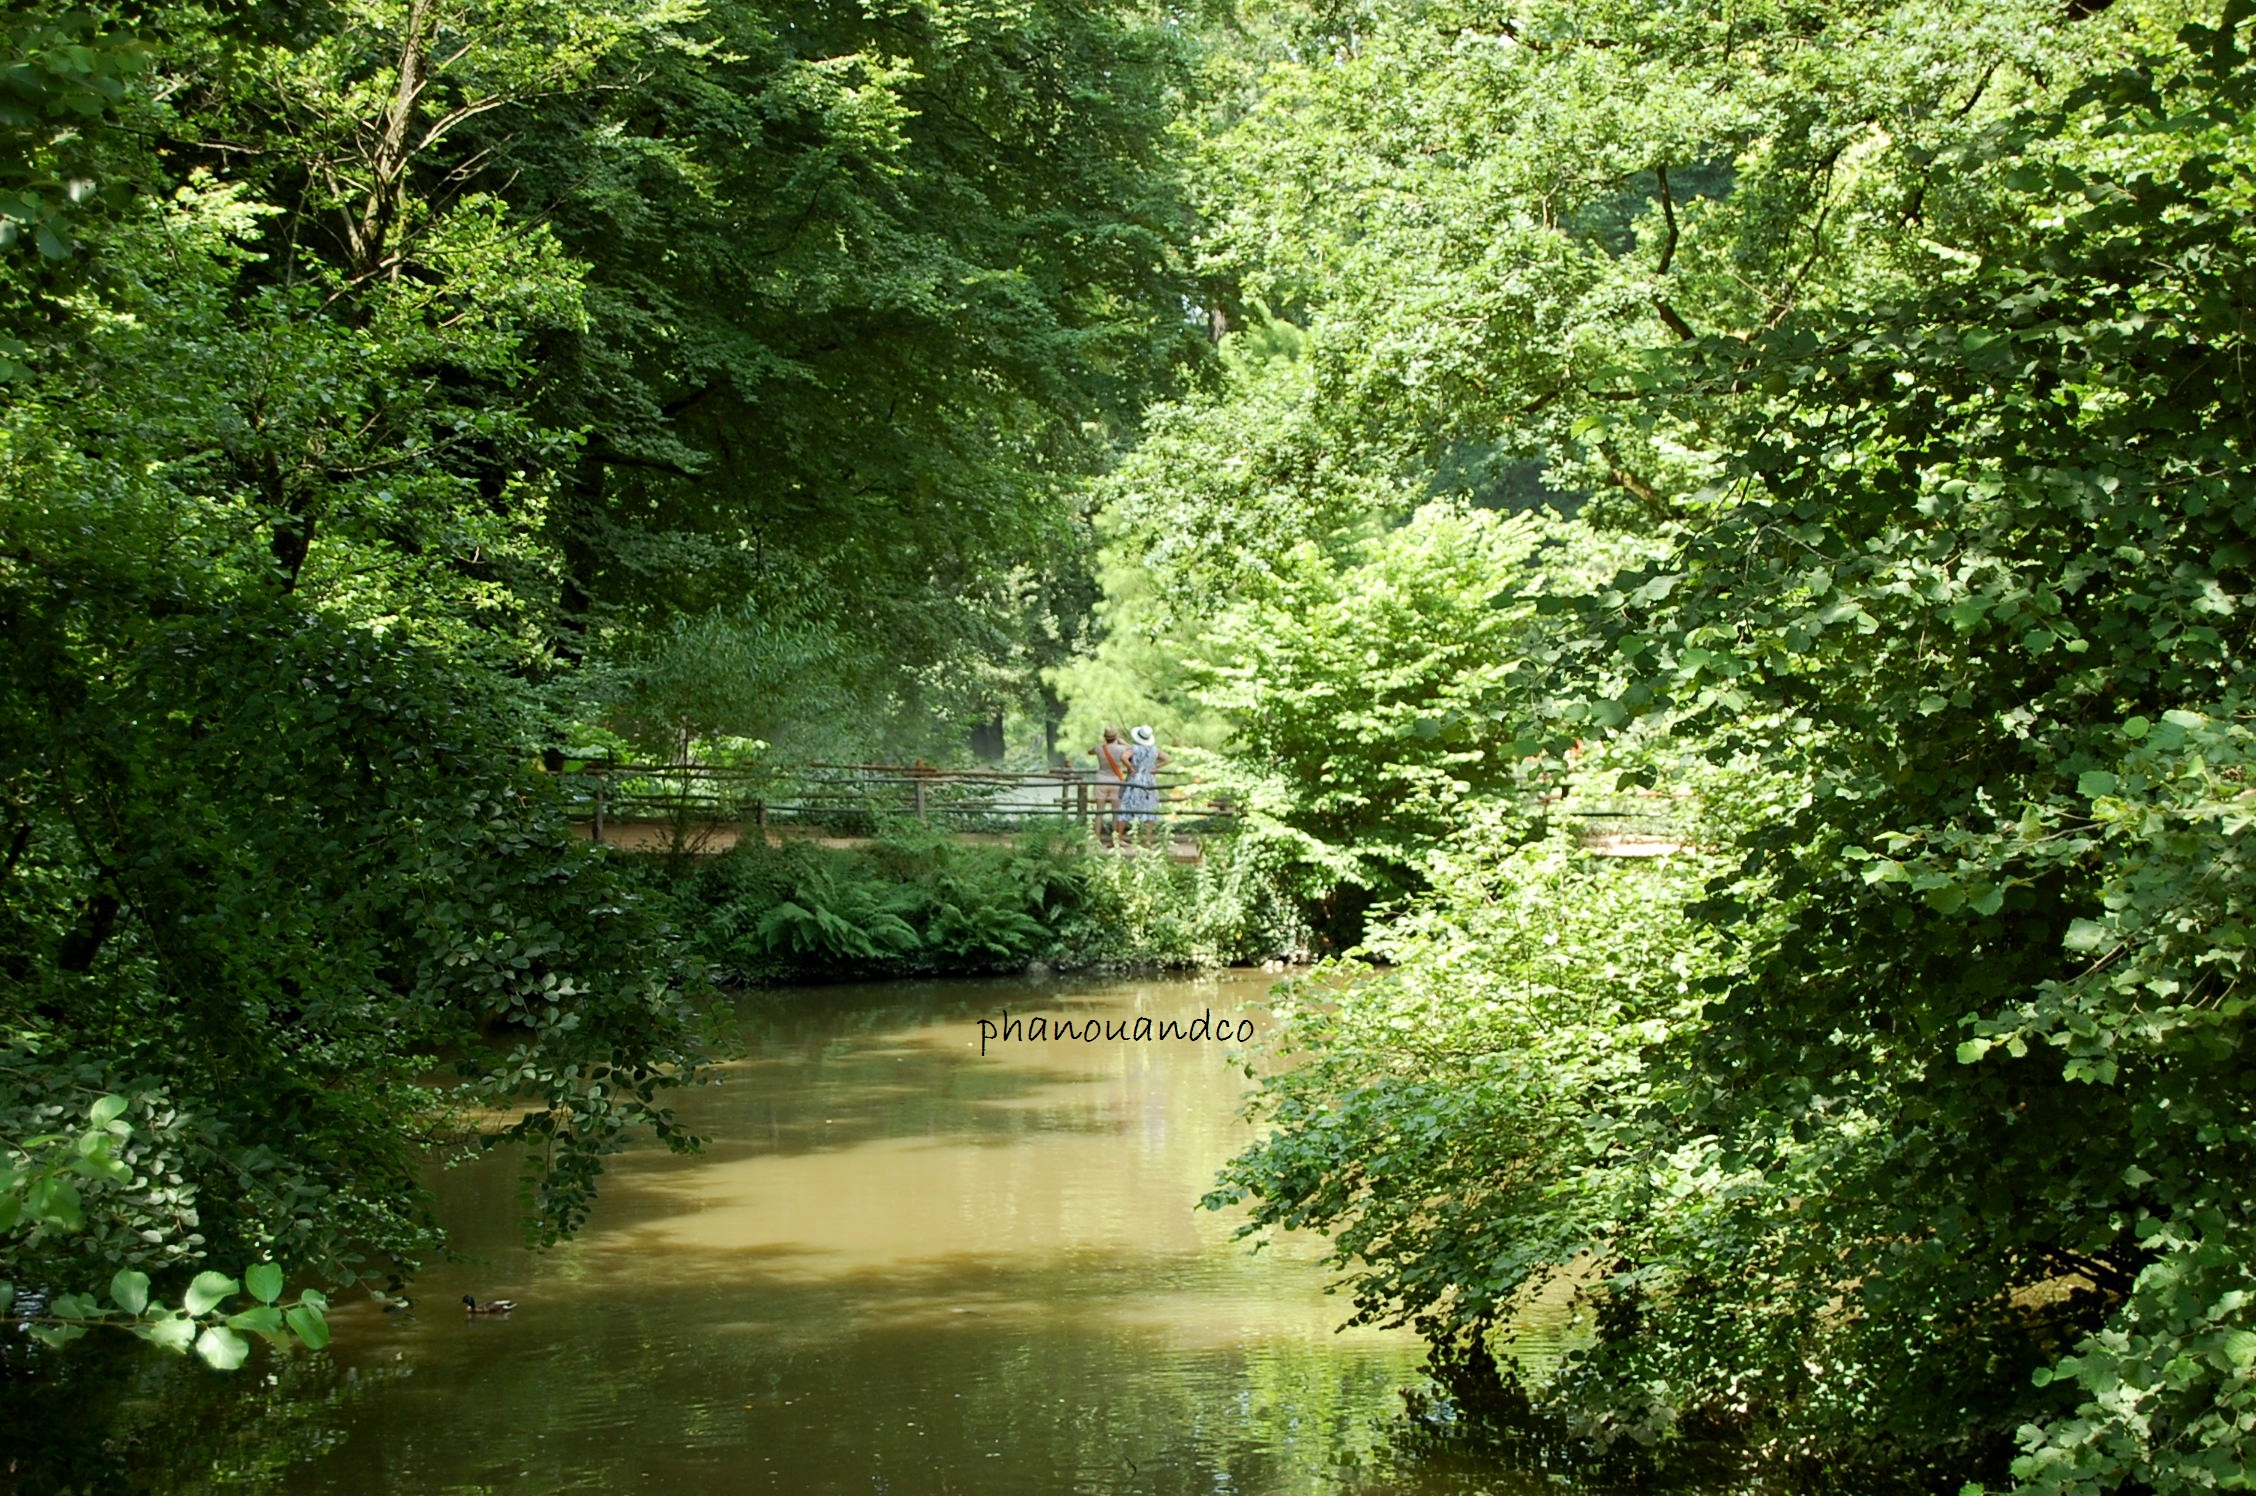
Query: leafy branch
x=40 y=1196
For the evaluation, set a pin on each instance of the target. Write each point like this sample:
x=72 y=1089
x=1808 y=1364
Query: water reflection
x=899 y=1267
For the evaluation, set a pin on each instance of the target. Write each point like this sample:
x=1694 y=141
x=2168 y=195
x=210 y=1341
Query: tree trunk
x=368 y=235
x=987 y=740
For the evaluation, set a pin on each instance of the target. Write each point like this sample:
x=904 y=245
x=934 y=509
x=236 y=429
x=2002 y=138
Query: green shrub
x=835 y=918
x=1231 y=908
x=917 y=900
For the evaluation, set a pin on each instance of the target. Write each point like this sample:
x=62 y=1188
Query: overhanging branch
x=1676 y=324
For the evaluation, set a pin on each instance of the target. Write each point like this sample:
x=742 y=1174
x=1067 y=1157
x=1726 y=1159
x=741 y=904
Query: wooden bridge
x=710 y=808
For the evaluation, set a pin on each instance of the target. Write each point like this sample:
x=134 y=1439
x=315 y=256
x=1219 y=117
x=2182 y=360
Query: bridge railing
x=1630 y=823
x=857 y=798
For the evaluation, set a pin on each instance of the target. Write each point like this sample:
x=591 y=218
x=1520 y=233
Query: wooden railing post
x=599 y=809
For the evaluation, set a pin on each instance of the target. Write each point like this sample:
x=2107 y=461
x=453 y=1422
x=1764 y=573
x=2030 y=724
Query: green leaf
x=207 y=1289
x=55 y=1203
x=264 y=1282
x=309 y=1324
x=56 y=1336
x=263 y=1320
x=175 y=1334
x=107 y=1110
x=129 y=1290
x=2093 y=783
x=2136 y=728
x=221 y=1348
x=1964 y=616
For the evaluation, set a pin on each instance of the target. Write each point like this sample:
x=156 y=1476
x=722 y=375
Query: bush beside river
x=916 y=901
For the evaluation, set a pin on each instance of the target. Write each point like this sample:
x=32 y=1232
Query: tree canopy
x=393 y=394
x=1874 y=374
x=1824 y=428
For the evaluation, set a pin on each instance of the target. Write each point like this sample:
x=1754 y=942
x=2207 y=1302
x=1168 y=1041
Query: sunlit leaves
x=264 y=1282
x=1958 y=545
x=221 y=1348
x=1371 y=691
x=129 y=1290
x=207 y=1289
x=1469 y=1120
x=175 y=1334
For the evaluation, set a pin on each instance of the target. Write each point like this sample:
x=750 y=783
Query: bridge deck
x=707 y=809
x=714 y=838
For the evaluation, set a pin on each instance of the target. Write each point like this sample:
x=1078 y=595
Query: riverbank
x=918 y=902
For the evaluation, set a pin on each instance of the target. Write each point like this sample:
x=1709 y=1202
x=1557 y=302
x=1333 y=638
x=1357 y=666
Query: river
x=899 y=1266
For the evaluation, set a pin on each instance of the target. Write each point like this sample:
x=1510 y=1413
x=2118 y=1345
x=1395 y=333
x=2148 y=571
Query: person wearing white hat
x=1139 y=787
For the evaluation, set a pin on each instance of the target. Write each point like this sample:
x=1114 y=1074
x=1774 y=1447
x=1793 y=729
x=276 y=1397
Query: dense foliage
x=1826 y=428
x=1893 y=357
x=394 y=393
x=920 y=901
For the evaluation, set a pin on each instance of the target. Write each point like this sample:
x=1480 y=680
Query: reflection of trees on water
x=1108 y=1339
x=116 y=1416
x=972 y=1376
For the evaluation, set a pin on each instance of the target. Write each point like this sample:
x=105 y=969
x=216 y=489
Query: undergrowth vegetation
x=919 y=901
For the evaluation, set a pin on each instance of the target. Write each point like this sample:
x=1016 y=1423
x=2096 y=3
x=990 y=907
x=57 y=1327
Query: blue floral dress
x=1139 y=787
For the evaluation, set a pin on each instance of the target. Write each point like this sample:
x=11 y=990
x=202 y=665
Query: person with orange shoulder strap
x=1112 y=767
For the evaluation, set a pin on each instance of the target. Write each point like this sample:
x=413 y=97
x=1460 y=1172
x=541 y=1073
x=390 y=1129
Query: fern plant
x=838 y=918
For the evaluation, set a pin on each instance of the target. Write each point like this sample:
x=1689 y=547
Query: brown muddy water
x=900 y=1266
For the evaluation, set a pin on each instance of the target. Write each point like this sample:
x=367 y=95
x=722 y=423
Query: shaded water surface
x=899 y=1266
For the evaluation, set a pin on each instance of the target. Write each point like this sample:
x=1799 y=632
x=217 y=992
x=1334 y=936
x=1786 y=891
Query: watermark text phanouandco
x=1044 y=1029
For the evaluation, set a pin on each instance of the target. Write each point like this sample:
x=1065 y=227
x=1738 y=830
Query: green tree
x=1935 y=407
x=870 y=293
x=2015 y=511
x=389 y=390
x=1365 y=692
